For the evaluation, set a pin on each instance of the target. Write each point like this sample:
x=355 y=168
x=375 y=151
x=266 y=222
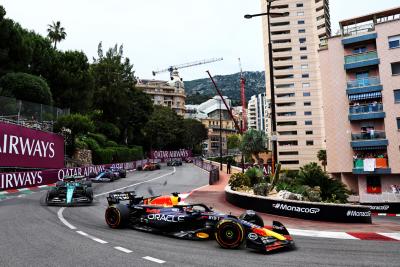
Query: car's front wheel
x=229 y=234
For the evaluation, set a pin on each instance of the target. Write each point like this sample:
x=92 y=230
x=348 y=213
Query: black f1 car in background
x=174 y=162
x=150 y=166
x=165 y=215
x=108 y=175
x=71 y=190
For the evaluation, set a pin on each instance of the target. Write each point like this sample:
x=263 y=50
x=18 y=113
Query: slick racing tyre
x=87 y=183
x=252 y=217
x=92 y=175
x=117 y=216
x=229 y=234
x=89 y=193
x=122 y=174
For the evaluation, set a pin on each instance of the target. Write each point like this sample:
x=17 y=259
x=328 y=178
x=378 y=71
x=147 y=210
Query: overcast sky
x=160 y=33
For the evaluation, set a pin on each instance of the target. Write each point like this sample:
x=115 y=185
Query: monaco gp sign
x=25 y=147
x=165 y=154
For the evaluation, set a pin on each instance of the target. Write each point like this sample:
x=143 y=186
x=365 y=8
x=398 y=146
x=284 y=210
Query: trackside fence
x=212 y=169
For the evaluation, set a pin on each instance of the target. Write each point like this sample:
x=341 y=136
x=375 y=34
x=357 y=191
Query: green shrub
x=255 y=175
x=110 y=143
x=26 y=87
x=238 y=180
x=92 y=143
x=110 y=130
x=261 y=189
x=80 y=144
x=103 y=156
x=101 y=139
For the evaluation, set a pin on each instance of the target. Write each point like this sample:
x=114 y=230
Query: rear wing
x=117 y=197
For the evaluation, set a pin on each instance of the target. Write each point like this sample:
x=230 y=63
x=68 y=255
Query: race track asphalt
x=32 y=234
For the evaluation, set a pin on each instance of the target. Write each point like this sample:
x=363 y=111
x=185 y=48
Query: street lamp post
x=220 y=134
x=271 y=79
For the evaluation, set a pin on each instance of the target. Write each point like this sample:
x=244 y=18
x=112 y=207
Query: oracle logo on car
x=164 y=217
x=25 y=147
x=282 y=206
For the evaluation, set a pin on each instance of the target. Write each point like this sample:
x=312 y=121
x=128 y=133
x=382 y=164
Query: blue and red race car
x=167 y=215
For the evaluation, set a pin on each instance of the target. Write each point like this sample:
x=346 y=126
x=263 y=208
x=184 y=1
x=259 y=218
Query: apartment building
x=295 y=41
x=257 y=113
x=361 y=92
x=166 y=93
x=209 y=114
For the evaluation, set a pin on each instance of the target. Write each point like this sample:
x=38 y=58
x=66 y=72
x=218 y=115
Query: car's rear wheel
x=116 y=216
x=89 y=193
x=229 y=234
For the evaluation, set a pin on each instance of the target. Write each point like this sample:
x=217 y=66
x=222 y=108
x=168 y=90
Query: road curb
x=385 y=214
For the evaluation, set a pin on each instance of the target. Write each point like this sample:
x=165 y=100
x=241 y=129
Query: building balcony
x=364 y=85
x=370 y=140
x=366 y=112
x=361 y=60
x=381 y=166
x=359 y=38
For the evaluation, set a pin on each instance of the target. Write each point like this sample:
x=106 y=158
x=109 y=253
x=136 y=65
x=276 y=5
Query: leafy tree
x=72 y=82
x=253 y=143
x=25 y=86
x=332 y=190
x=194 y=133
x=72 y=126
x=322 y=157
x=116 y=96
x=164 y=130
x=56 y=33
x=233 y=141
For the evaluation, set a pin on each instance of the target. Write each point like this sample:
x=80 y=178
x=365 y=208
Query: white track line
x=395 y=236
x=101 y=241
x=323 y=234
x=123 y=249
x=82 y=233
x=153 y=259
x=64 y=221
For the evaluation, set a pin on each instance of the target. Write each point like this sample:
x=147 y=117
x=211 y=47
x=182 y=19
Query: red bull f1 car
x=167 y=215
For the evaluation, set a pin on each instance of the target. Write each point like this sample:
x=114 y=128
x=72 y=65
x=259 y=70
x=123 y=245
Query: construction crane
x=186 y=65
x=243 y=98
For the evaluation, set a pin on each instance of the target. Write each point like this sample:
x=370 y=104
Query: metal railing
x=366 y=108
x=358 y=29
x=363 y=82
x=371 y=135
x=29 y=114
x=360 y=57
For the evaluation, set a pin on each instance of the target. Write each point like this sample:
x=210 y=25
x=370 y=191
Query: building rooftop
x=377 y=17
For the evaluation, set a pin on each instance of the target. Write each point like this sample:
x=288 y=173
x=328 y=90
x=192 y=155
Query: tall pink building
x=360 y=70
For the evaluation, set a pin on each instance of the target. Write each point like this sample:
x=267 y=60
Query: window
x=394 y=41
x=309 y=143
x=288 y=143
x=308 y=122
x=289 y=153
x=306 y=85
x=289 y=104
x=398 y=123
x=288 y=133
x=302 y=30
x=286 y=123
x=303 y=57
x=396 y=68
x=307 y=104
x=302 y=40
x=309 y=132
x=304 y=66
x=290 y=162
x=300 y=22
x=288 y=85
x=397 y=96
x=281 y=114
x=305 y=75
x=299 y=5
x=306 y=94
x=307 y=113
x=303 y=48
x=360 y=50
x=285 y=95
x=301 y=13
x=374 y=185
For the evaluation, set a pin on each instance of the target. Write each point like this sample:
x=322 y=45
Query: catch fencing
x=212 y=169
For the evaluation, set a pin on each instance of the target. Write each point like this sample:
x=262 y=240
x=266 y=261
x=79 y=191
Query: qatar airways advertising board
x=25 y=147
x=170 y=154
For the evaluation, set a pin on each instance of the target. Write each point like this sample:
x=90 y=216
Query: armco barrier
x=212 y=169
x=298 y=209
x=14 y=180
x=386 y=207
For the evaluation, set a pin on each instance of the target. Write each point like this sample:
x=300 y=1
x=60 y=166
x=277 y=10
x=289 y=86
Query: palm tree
x=253 y=143
x=56 y=33
x=322 y=157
